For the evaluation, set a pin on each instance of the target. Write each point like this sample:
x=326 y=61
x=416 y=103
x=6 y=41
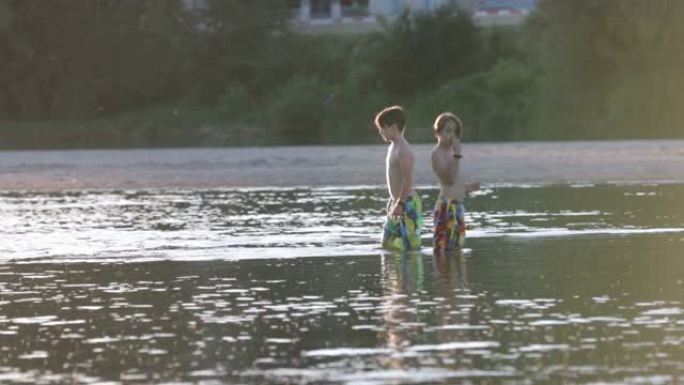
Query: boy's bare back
x=399 y=169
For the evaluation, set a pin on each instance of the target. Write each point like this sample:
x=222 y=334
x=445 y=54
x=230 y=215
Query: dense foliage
x=103 y=73
x=610 y=68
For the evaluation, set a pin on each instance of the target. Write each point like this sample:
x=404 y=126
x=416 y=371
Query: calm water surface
x=559 y=284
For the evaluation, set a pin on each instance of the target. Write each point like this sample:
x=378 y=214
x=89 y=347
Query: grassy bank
x=195 y=127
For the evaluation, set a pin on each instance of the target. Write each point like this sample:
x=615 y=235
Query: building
x=503 y=12
x=360 y=15
x=363 y=15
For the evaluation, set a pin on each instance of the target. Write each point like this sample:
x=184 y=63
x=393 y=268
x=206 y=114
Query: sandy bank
x=528 y=162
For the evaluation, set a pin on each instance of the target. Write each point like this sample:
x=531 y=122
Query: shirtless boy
x=449 y=223
x=404 y=210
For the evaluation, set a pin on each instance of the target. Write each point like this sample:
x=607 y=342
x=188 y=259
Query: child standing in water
x=404 y=220
x=449 y=223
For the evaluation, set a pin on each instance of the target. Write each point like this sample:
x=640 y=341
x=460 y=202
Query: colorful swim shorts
x=404 y=233
x=449 y=224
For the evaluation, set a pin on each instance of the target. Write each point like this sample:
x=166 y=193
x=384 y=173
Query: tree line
x=111 y=73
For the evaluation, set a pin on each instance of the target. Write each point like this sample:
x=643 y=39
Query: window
x=396 y=6
x=321 y=9
x=354 y=8
x=293 y=6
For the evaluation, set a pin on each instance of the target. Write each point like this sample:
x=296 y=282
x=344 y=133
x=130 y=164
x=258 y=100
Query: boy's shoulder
x=405 y=146
x=405 y=151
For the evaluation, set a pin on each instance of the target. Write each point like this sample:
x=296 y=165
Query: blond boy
x=404 y=220
x=449 y=222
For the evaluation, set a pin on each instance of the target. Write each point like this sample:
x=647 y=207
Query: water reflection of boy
x=443 y=261
x=404 y=275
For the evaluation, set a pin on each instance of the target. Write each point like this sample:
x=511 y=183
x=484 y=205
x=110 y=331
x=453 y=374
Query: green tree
x=421 y=50
x=610 y=68
x=232 y=36
x=89 y=57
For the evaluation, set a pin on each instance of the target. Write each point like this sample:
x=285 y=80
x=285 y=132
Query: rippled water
x=248 y=224
x=559 y=284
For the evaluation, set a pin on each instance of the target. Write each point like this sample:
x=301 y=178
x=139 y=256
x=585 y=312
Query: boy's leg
x=459 y=228
x=440 y=233
x=391 y=234
x=413 y=221
x=449 y=224
x=404 y=233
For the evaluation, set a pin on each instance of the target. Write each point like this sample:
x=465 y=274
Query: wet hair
x=445 y=117
x=391 y=115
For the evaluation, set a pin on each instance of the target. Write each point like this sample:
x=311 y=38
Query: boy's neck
x=398 y=139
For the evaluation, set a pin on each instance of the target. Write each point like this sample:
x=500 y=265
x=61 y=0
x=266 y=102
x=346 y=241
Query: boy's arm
x=406 y=168
x=456 y=149
x=433 y=161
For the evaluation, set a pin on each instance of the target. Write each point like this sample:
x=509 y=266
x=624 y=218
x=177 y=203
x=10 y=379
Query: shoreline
x=628 y=161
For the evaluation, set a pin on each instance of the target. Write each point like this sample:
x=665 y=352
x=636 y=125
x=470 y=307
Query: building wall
x=331 y=15
x=394 y=7
x=503 y=12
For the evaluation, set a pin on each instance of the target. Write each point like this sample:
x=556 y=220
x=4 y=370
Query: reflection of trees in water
x=409 y=278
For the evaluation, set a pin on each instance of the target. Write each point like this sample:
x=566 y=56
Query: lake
x=573 y=284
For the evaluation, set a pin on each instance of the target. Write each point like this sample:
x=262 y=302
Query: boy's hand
x=473 y=186
x=456 y=148
x=397 y=210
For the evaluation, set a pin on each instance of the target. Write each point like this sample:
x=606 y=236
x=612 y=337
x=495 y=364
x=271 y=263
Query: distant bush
x=297 y=109
x=235 y=104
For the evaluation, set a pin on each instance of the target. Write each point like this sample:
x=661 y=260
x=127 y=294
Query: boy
x=404 y=209
x=449 y=224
